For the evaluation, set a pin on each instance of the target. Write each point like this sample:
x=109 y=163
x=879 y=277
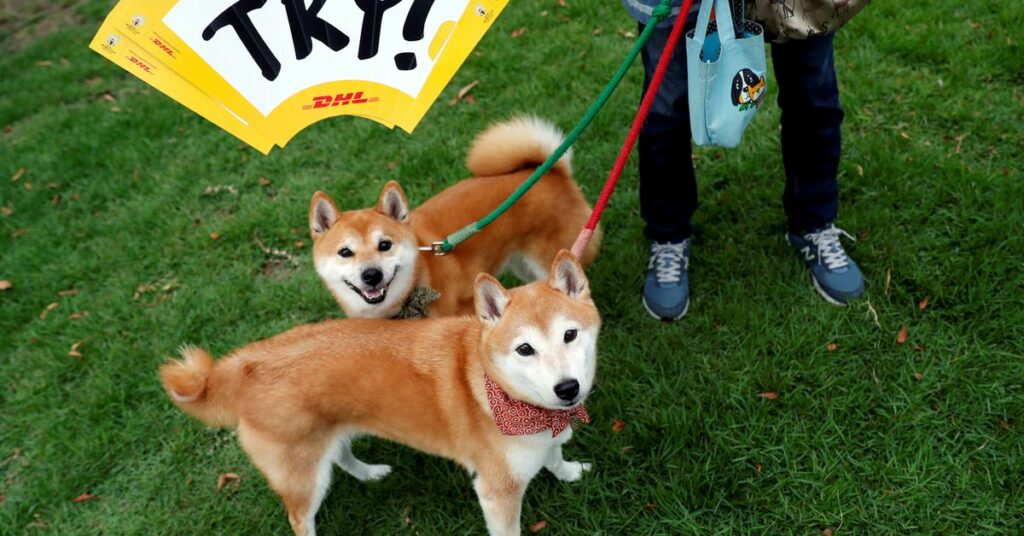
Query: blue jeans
x=811 y=117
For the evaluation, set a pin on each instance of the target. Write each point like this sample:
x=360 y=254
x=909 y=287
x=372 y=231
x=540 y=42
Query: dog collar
x=515 y=417
x=417 y=303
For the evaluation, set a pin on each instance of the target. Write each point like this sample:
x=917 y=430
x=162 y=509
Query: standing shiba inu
x=495 y=392
x=369 y=258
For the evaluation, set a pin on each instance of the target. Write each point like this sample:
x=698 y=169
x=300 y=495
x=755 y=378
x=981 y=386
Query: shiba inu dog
x=370 y=260
x=495 y=392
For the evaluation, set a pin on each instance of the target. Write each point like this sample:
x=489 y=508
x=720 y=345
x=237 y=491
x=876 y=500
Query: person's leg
x=668 y=185
x=811 y=118
x=811 y=140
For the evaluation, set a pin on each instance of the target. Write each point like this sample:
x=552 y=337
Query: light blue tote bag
x=726 y=74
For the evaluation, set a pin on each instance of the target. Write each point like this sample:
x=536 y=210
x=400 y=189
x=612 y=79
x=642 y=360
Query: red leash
x=634 y=132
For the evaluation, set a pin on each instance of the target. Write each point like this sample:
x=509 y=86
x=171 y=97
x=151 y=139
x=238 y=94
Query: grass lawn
x=105 y=188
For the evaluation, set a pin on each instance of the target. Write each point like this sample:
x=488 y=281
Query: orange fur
x=546 y=220
x=419 y=383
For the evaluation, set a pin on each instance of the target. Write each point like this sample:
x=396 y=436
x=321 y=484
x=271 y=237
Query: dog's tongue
x=374 y=293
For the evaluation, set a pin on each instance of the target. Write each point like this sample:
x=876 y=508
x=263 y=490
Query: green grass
x=872 y=438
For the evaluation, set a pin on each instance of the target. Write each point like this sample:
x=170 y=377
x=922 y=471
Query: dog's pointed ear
x=322 y=214
x=392 y=202
x=567 y=276
x=491 y=298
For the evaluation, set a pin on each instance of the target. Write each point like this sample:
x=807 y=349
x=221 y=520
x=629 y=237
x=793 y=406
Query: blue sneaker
x=836 y=277
x=667 y=288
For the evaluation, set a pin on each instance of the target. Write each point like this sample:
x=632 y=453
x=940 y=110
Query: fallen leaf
x=19 y=232
x=920 y=348
x=224 y=478
x=44 y=63
x=28 y=186
x=52 y=306
x=470 y=99
x=758 y=467
x=923 y=303
x=518 y=32
x=264 y=181
x=6 y=211
x=768 y=395
x=901 y=337
x=68 y=292
x=52 y=185
x=860 y=170
x=539 y=526
x=74 y=350
x=299 y=244
x=905 y=136
x=109 y=97
x=561 y=3
x=115 y=109
x=463 y=91
x=1004 y=424
x=93 y=81
x=214 y=235
x=84 y=497
x=918 y=376
x=77 y=315
x=888 y=280
x=826 y=532
x=618 y=425
x=392 y=165
x=831 y=347
x=650 y=507
x=5 y=284
x=17 y=174
x=544 y=13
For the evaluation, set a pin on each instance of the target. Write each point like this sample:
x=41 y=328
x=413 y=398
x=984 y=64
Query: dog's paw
x=572 y=471
x=374 y=472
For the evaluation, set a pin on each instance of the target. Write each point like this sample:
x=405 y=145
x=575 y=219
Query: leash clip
x=436 y=247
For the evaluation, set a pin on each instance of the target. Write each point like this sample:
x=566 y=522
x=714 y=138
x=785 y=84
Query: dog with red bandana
x=497 y=392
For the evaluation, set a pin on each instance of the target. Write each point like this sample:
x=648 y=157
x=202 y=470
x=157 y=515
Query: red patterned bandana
x=515 y=417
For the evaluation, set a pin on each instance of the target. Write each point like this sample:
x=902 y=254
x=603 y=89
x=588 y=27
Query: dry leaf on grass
x=1004 y=424
x=901 y=337
x=17 y=174
x=463 y=91
x=860 y=170
x=923 y=303
x=78 y=315
x=52 y=306
x=918 y=376
x=888 y=280
x=6 y=211
x=539 y=526
x=826 y=532
x=214 y=235
x=768 y=395
x=74 y=350
x=299 y=244
x=264 y=181
x=5 y=285
x=650 y=507
x=84 y=497
x=225 y=478
x=561 y=3
x=919 y=348
x=618 y=425
x=518 y=32
x=831 y=347
x=68 y=292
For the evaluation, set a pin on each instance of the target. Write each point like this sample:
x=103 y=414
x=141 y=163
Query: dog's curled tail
x=202 y=388
x=520 y=142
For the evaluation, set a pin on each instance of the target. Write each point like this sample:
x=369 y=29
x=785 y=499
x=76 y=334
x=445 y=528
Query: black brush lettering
x=237 y=17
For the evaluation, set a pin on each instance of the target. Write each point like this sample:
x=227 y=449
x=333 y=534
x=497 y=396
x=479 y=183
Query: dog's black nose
x=568 y=390
x=372 y=276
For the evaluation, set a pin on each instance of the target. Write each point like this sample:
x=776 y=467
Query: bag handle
x=723 y=15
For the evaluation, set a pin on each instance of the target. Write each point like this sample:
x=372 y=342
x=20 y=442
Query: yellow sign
x=263 y=70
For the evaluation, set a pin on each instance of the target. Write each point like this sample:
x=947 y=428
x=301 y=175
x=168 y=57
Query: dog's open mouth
x=374 y=295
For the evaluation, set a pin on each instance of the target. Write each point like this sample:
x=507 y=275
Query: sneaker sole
x=824 y=294
x=659 y=317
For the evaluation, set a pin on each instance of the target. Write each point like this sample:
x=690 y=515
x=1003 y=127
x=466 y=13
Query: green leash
x=659 y=14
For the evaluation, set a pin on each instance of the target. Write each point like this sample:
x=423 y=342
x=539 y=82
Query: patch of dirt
x=25 y=21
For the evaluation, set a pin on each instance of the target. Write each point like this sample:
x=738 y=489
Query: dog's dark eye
x=384 y=245
x=570 y=335
x=524 y=350
x=345 y=252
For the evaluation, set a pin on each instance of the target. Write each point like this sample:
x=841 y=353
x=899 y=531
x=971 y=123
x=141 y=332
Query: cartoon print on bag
x=748 y=89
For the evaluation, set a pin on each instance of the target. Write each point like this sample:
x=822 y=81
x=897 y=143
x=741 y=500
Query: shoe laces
x=829 y=249
x=669 y=261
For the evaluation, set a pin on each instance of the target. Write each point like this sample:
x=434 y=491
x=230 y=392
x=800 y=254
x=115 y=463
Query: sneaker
x=666 y=292
x=836 y=277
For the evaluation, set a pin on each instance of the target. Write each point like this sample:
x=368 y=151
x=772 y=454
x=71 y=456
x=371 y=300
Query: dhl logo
x=140 y=64
x=160 y=44
x=341 y=99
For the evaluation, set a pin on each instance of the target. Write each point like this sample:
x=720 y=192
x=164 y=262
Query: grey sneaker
x=836 y=277
x=666 y=294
